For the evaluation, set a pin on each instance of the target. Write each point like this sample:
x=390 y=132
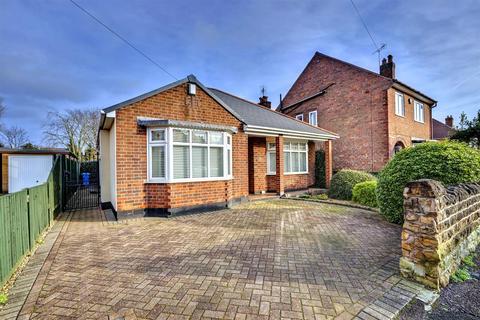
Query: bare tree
x=14 y=137
x=2 y=107
x=75 y=129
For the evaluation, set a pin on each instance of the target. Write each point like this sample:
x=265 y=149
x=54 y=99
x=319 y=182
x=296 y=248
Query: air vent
x=192 y=89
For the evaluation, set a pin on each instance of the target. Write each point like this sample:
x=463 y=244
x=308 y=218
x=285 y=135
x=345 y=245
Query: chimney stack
x=264 y=102
x=449 y=121
x=387 y=68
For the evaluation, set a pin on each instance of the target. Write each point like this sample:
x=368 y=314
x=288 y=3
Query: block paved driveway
x=261 y=260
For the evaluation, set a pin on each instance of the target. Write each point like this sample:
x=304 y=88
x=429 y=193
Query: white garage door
x=26 y=171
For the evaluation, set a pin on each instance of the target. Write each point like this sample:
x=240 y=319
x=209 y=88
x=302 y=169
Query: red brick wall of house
x=354 y=107
x=359 y=107
x=257 y=164
x=131 y=148
x=405 y=128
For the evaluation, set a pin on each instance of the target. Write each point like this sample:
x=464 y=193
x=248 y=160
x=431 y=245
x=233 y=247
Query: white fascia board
x=290 y=133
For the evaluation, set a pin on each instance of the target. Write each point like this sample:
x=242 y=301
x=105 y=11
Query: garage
x=26 y=168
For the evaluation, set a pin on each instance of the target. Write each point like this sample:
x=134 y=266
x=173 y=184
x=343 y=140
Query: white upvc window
x=399 y=104
x=312 y=118
x=271 y=158
x=157 y=144
x=184 y=155
x=299 y=117
x=418 y=112
x=295 y=157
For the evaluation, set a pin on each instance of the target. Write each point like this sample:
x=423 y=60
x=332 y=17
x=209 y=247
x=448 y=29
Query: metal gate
x=82 y=192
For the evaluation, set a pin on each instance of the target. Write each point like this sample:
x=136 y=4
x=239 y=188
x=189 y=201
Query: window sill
x=288 y=173
x=187 y=180
x=399 y=115
x=422 y=122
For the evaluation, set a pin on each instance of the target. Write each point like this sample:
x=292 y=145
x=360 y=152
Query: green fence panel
x=24 y=215
x=5 y=247
x=14 y=234
x=38 y=211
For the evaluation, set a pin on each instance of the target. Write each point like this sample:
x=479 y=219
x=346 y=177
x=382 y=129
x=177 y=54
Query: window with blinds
x=188 y=155
x=295 y=159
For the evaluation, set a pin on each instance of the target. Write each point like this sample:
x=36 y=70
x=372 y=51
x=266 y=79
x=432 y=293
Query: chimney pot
x=264 y=102
x=449 y=121
x=387 y=68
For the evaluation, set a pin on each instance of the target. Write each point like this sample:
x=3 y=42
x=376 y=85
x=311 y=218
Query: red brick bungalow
x=185 y=147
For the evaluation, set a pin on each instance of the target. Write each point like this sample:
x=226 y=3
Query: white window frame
x=399 y=109
x=168 y=144
x=272 y=149
x=418 y=111
x=151 y=143
x=299 y=117
x=313 y=115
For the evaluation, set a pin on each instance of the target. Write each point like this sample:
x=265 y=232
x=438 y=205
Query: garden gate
x=81 y=186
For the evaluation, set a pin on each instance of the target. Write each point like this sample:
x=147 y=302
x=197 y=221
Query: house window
x=299 y=117
x=418 y=112
x=176 y=154
x=295 y=157
x=399 y=104
x=312 y=118
x=271 y=158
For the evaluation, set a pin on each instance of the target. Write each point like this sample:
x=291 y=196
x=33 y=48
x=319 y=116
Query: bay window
x=182 y=155
x=295 y=157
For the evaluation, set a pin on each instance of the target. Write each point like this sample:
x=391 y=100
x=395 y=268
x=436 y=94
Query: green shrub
x=3 y=299
x=322 y=196
x=365 y=193
x=448 y=162
x=343 y=182
x=461 y=275
x=320 y=169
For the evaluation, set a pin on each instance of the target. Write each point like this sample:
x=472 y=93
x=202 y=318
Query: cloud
x=58 y=58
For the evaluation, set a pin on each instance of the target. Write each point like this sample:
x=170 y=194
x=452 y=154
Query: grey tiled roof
x=247 y=112
x=255 y=115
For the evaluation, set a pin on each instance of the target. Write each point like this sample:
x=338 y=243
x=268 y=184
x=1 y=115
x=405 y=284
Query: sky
x=54 y=57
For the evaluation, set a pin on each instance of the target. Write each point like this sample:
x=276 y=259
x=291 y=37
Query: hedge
x=365 y=193
x=342 y=183
x=448 y=162
x=320 y=169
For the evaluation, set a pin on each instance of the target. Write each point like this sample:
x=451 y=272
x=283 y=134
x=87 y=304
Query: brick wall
x=354 y=107
x=405 y=128
x=358 y=107
x=442 y=226
x=131 y=147
x=257 y=164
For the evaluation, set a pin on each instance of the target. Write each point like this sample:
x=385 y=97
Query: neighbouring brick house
x=185 y=147
x=374 y=114
x=440 y=130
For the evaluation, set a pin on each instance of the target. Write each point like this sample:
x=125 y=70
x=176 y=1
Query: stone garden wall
x=442 y=226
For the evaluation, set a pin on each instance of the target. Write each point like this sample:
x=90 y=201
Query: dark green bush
x=365 y=193
x=448 y=162
x=320 y=169
x=343 y=182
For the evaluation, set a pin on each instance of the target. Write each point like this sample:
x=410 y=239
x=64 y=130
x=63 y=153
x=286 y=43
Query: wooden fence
x=24 y=215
